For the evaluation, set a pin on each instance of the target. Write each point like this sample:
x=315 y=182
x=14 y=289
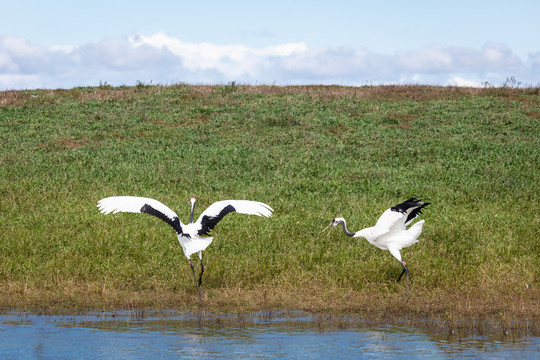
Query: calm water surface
x=124 y=336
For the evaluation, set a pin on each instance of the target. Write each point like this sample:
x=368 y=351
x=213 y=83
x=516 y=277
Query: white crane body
x=390 y=232
x=192 y=235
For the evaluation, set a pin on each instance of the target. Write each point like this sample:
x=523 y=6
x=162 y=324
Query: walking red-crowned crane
x=188 y=235
x=390 y=232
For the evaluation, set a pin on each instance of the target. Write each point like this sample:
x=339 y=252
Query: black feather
x=175 y=222
x=413 y=202
x=208 y=222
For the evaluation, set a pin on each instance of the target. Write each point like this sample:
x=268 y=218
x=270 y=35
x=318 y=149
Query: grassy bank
x=311 y=153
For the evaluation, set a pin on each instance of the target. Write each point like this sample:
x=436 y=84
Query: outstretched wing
x=398 y=217
x=134 y=204
x=217 y=211
x=411 y=208
x=389 y=221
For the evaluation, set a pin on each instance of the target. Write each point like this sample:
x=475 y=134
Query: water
x=124 y=336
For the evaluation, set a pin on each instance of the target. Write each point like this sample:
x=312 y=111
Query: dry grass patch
x=13 y=97
x=457 y=311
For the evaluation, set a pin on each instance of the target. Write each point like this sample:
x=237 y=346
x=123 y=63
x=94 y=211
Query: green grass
x=312 y=153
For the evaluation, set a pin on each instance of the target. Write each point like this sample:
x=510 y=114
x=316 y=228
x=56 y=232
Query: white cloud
x=459 y=81
x=232 y=61
x=17 y=55
x=10 y=81
x=534 y=62
x=439 y=59
x=163 y=59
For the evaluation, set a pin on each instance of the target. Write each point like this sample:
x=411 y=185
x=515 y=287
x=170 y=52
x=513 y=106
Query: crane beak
x=332 y=223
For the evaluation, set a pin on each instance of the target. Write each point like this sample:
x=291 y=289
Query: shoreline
x=465 y=314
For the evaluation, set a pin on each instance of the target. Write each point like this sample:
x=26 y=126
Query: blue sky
x=54 y=43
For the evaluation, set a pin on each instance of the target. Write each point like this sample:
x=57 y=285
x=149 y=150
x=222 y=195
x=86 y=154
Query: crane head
x=337 y=220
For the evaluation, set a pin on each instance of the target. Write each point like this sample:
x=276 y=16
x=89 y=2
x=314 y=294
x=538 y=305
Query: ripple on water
x=288 y=335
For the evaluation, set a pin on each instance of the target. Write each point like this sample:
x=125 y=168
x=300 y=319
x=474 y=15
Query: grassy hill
x=312 y=153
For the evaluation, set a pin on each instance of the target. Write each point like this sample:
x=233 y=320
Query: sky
x=65 y=44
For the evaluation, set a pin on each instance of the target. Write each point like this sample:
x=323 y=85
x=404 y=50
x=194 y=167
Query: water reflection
x=296 y=335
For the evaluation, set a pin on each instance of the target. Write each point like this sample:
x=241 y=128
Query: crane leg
x=195 y=278
x=405 y=270
x=202 y=270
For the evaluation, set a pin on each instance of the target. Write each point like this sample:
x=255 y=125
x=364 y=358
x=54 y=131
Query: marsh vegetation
x=310 y=152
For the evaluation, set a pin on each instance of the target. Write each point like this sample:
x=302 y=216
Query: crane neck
x=347 y=232
x=192 y=210
x=365 y=233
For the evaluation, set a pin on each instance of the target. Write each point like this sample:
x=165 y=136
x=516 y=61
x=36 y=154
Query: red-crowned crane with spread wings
x=390 y=232
x=194 y=236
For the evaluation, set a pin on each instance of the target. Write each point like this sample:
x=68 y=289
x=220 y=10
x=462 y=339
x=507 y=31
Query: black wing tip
x=209 y=222
x=418 y=199
x=417 y=202
x=174 y=222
